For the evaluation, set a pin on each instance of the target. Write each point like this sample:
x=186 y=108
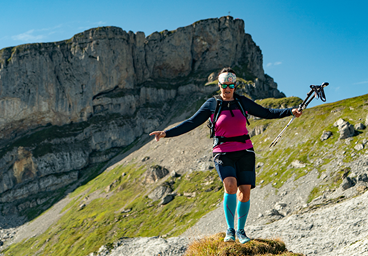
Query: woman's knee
x=230 y=185
x=244 y=193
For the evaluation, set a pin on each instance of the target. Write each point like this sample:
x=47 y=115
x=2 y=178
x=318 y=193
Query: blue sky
x=303 y=42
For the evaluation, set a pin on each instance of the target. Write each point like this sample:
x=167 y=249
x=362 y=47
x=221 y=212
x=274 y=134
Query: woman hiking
x=233 y=150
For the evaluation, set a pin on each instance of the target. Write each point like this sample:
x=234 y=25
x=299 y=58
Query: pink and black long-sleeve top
x=231 y=122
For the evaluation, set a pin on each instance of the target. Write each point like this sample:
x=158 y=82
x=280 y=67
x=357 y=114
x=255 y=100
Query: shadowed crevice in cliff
x=104 y=92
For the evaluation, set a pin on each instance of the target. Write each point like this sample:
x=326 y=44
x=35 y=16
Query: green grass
x=101 y=221
x=287 y=102
x=301 y=141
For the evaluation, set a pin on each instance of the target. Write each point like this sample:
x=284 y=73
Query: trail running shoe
x=230 y=235
x=242 y=236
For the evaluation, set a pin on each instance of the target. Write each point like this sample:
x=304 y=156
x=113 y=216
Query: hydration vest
x=217 y=140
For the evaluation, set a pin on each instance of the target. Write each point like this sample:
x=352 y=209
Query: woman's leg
x=243 y=209
x=230 y=186
x=246 y=179
x=243 y=195
x=226 y=169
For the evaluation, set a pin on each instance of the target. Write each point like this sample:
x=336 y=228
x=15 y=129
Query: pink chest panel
x=231 y=126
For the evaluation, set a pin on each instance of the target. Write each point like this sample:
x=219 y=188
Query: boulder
x=272 y=212
x=272 y=215
x=145 y=158
x=82 y=206
x=346 y=130
x=363 y=177
x=347 y=183
x=167 y=199
x=173 y=174
x=339 y=122
x=158 y=193
x=325 y=135
x=280 y=206
x=155 y=173
x=190 y=194
x=126 y=210
x=359 y=126
x=297 y=164
x=359 y=146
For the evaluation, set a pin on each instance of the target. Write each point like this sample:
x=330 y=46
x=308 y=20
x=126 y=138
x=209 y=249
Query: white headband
x=227 y=77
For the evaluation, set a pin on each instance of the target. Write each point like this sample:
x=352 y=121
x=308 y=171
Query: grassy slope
x=301 y=141
x=103 y=220
x=280 y=103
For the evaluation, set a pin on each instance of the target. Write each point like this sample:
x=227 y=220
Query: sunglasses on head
x=231 y=86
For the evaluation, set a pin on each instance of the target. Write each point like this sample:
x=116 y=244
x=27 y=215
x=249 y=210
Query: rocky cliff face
x=68 y=104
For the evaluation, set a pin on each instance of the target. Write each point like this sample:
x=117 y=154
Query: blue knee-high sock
x=229 y=208
x=242 y=209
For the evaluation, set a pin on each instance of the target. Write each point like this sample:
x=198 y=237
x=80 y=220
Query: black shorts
x=238 y=164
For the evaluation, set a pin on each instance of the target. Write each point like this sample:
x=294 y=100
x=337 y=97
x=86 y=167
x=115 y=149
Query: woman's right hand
x=158 y=134
x=296 y=112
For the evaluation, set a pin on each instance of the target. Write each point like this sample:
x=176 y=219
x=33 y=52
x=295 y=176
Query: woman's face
x=227 y=84
x=227 y=93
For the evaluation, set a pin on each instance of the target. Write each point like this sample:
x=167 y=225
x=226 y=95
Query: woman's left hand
x=158 y=134
x=296 y=112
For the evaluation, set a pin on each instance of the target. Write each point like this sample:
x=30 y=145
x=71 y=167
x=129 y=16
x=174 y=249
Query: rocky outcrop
x=145 y=246
x=69 y=104
x=60 y=82
x=325 y=135
x=155 y=173
x=346 y=130
x=359 y=126
x=257 y=130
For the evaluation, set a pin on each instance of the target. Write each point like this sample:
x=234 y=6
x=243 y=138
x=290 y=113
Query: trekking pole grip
x=316 y=89
x=302 y=105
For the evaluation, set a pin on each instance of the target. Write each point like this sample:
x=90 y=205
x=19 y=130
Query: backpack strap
x=219 y=102
x=211 y=124
x=245 y=114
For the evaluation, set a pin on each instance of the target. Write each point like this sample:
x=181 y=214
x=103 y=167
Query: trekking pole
x=318 y=92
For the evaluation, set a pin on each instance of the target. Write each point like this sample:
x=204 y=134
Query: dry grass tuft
x=215 y=245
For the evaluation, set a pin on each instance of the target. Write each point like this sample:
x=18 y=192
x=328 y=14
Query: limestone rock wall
x=57 y=82
x=67 y=104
